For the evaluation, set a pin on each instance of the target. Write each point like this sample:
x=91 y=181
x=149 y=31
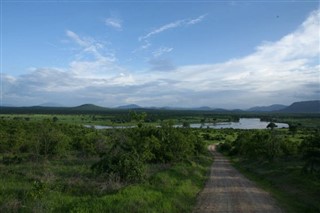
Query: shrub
x=311 y=153
x=224 y=147
x=132 y=149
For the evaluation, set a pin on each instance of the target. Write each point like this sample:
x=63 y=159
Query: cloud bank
x=283 y=71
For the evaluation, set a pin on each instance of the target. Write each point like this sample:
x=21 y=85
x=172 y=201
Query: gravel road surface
x=229 y=191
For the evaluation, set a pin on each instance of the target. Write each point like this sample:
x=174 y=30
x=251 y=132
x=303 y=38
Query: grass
x=69 y=186
x=294 y=191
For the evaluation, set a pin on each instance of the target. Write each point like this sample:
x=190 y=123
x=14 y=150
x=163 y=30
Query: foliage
x=293 y=129
x=271 y=125
x=186 y=124
x=121 y=159
x=50 y=141
x=46 y=167
x=132 y=149
x=311 y=153
x=260 y=145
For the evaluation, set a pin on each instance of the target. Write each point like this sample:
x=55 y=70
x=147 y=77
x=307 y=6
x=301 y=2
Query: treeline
x=276 y=145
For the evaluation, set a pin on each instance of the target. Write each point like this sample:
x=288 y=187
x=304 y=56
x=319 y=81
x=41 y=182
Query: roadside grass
x=173 y=190
x=294 y=191
x=69 y=186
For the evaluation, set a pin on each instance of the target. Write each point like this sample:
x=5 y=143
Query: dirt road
x=229 y=191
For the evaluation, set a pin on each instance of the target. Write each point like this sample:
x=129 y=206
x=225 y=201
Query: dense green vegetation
x=123 y=117
x=50 y=162
x=51 y=166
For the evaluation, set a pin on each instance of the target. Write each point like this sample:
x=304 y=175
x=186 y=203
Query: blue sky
x=232 y=54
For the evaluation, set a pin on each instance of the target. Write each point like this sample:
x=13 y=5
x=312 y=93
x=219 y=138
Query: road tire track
x=228 y=191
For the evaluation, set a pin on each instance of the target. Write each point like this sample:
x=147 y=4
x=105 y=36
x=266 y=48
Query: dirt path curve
x=229 y=191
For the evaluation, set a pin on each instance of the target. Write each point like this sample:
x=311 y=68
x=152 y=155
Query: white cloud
x=172 y=25
x=162 y=28
x=76 y=38
x=304 y=42
x=196 y=20
x=114 y=23
x=88 y=45
x=92 y=60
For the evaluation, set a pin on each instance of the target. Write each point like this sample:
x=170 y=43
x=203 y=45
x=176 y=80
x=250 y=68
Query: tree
x=50 y=140
x=186 y=124
x=293 y=129
x=122 y=159
x=271 y=125
x=138 y=117
x=259 y=145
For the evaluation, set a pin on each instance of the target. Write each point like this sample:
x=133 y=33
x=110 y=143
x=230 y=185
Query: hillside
x=88 y=107
x=303 y=107
x=130 y=106
x=274 y=107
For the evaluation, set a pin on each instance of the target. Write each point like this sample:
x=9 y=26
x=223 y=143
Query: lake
x=244 y=123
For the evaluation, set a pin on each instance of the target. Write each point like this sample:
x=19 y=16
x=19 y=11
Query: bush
x=132 y=149
x=262 y=145
x=51 y=141
x=224 y=147
x=311 y=153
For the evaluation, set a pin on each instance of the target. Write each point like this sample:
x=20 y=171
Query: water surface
x=244 y=123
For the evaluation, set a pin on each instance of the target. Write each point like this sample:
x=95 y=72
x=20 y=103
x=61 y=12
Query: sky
x=221 y=54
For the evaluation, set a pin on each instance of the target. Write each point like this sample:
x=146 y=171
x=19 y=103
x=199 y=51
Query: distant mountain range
x=130 y=106
x=296 y=107
x=303 y=107
x=274 y=107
